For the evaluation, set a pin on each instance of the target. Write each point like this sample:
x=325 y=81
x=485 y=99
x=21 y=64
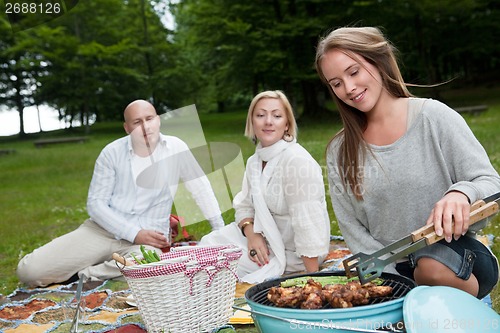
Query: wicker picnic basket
x=190 y=290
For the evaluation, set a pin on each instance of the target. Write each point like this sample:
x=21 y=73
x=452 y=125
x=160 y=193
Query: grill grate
x=401 y=286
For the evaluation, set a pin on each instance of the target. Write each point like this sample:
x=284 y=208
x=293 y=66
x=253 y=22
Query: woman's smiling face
x=353 y=79
x=269 y=121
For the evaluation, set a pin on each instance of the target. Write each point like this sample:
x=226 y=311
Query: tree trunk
x=22 y=133
x=19 y=104
x=147 y=55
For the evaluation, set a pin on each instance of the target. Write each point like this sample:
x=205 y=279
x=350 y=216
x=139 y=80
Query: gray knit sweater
x=403 y=180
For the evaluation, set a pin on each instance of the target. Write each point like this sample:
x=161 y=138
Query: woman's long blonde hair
x=369 y=43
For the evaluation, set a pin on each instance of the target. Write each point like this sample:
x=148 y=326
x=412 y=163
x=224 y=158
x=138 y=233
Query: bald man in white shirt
x=129 y=203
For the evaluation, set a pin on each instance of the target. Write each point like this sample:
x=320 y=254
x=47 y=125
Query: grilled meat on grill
x=378 y=291
x=313 y=301
x=312 y=287
x=286 y=297
x=345 y=296
x=315 y=296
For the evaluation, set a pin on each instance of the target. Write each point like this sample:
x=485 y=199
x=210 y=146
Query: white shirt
x=123 y=201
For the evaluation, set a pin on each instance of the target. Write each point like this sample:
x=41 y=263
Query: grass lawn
x=43 y=191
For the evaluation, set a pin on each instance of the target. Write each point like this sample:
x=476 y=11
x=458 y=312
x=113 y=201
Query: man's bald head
x=135 y=106
x=142 y=123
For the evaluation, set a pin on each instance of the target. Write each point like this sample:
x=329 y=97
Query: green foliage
x=241 y=47
x=244 y=47
x=88 y=63
x=104 y=57
x=93 y=60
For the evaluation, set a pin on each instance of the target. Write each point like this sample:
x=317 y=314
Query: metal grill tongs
x=370 y=266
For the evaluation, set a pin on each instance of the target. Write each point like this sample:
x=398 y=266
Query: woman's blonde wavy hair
x=369 y=43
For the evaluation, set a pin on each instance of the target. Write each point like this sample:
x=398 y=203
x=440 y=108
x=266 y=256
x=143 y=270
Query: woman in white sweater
x=282 y=223
x=402 y=162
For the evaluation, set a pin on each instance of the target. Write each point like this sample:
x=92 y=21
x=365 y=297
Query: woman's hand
x=257 y=243
x=152 y=238
x=454 y=207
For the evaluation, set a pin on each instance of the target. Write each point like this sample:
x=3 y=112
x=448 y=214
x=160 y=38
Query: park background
x=97 y=56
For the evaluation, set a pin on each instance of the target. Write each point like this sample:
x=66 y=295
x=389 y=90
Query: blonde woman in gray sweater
x=402 y=162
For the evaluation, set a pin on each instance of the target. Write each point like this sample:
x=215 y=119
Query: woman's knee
x=431 y=272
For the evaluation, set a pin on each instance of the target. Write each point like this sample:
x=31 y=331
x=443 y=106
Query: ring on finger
x=253 y=253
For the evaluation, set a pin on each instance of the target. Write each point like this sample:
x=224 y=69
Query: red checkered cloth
x=189 y=259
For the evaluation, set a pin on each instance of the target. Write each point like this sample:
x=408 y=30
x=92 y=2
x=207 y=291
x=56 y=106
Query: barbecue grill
x=380 y=313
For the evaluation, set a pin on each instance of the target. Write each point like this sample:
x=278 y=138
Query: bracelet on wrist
x=243 y=225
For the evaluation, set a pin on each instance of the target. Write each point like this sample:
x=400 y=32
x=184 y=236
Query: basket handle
x=119 y=259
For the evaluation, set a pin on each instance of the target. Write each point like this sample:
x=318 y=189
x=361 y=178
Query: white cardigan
x=295 y=196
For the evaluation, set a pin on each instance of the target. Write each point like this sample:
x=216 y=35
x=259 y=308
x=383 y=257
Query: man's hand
x=152 y=238
x=453 y=207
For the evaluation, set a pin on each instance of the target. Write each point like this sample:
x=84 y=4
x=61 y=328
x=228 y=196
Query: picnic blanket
x=108 y=305
x=109 y=308
x=47 y=309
